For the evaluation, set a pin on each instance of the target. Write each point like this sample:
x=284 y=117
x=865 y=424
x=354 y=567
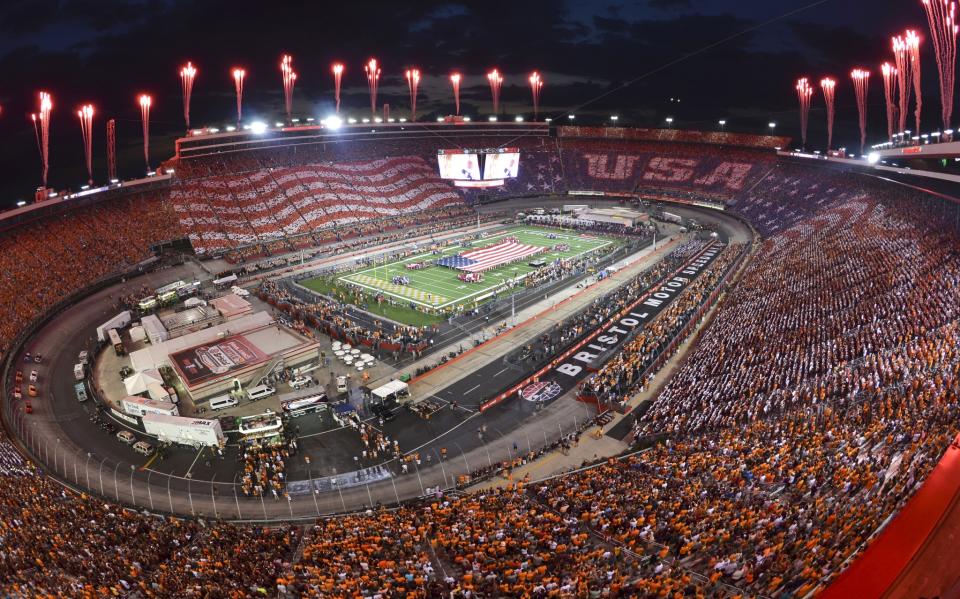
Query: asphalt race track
x=61 y=434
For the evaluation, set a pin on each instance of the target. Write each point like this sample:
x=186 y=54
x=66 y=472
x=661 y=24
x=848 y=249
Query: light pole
x=343 y=504
x=133 y=498
x=722 y=123
x=442 y=469
x=149 y=492
x=100 y=475
x=465 y=462
x=669 y=122
x=420 y=480
x=116 y=485
x=87 y=468
x=236 y=498
x=213 y=496
x=395 y=493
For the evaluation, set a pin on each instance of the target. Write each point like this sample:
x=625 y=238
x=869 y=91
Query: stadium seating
x=45 y=261
x=615 y=166
x=269 y=205
x=822 y=394
x=789 y=192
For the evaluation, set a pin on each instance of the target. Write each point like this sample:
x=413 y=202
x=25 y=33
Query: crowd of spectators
x=626 y=371
x=59 y=543
x=235 y=209
x=263 y=470
x=46 y=261
x=333 y=317
x=821 y=396
x=789 y=193
x=627 y=166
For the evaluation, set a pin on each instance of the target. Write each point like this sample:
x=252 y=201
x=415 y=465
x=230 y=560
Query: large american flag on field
x=491 y=257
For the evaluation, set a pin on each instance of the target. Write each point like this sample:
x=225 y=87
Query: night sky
x=108 y=51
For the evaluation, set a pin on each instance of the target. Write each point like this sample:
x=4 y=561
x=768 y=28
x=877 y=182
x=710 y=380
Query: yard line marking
x=445 y=293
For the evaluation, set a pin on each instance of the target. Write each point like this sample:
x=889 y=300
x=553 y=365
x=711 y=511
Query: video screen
x=459 y=166
x=501 y=166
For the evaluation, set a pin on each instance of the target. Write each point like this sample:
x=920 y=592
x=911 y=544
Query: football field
x=438 y=286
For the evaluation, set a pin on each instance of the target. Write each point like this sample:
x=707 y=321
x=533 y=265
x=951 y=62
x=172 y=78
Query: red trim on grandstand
x=877 y=569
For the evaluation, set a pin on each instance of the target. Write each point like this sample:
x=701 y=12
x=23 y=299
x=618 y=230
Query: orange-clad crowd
x=824 y=391
x=44 y=262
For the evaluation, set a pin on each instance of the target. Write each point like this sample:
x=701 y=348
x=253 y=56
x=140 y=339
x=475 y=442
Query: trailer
x=224 y=282
x=671 y=218
x=117 y=322
x=169 y=287
x=138 y=406
x=184 y=431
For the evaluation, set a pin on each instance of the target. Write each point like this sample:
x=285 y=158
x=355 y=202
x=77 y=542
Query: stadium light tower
x=670 y=122
x=722 y=123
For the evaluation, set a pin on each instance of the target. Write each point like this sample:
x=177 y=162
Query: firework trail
x=901 y=55
x=913 y=50
x=805 y=94
x=42 y=120
x=145 y=102
x=289 y=79
x=86 y=131
x=413 y=82
x=941 y=16
x=828 y=85
x=373 y=80
x=536 y=84
x=455 y=82
x=111 y=150
x=889 y=91
x=238 y=75
x=861 y=83
x=337 y=78
x=187 y=75
x=496 y=81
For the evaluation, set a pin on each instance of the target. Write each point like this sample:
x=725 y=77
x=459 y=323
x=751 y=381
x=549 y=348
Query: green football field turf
x=438 y=287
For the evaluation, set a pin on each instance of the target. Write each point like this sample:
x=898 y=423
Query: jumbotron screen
x=501 y=166
x=459 y=165
x=479 y=168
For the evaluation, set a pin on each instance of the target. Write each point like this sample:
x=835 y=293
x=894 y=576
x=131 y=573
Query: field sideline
x=438 y=287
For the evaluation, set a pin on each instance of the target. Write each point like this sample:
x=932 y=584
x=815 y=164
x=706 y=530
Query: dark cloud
x=107 y=51
x=669 y=4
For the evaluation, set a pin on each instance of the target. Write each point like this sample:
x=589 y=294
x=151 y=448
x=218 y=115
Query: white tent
x=137 y=334
x=141 y=381
x=194 y=301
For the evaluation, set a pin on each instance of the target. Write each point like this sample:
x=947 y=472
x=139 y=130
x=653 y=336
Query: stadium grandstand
x=816 y=411
x=634 y=328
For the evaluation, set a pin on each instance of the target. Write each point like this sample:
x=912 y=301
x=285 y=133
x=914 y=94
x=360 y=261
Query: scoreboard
x=479 y=168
